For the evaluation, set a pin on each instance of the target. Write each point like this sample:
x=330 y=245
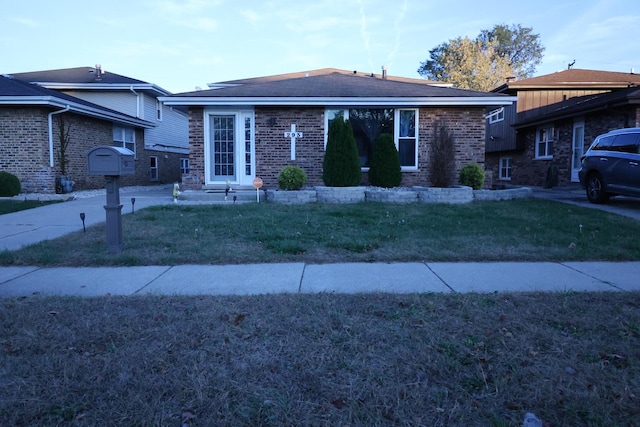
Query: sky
x=182 y=45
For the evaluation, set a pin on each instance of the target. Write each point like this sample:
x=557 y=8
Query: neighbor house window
x=158 y=110
x=545 y=137
x=125 y=137
x=153 y=168
x=496 y=115
x=369 y=123
x=505 y=168
x=184 y=165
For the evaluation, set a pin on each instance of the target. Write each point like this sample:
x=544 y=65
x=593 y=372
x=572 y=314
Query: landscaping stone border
x=292 y=197
x=455 y=195
x=416 y=194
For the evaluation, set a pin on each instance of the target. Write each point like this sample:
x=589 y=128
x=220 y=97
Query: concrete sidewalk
x=314 y=278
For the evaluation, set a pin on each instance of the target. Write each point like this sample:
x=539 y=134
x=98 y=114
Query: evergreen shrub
x=385 y=170
x=341 y=164
x=9 y=185
x=472 y=175
x=292 y=178
x=442 y=157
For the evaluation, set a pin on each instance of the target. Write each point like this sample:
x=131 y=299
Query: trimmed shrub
x=292 y=178
x=341 y=164
x=472 y=176
x=442 y=157
x=9 y=185
x=385 y=170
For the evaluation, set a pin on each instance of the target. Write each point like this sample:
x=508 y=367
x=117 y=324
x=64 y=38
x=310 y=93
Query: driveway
x=626 y=206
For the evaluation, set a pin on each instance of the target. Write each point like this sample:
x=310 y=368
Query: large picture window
x=369 y=123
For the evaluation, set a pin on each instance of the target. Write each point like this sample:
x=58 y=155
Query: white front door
x=229 y=148
x=577 y=149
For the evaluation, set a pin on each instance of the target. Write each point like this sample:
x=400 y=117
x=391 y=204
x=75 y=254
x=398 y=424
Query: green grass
x=10 y=206
x=521 y=230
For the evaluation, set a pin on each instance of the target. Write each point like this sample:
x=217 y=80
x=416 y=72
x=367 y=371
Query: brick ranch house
x=30 y=135
x=251 y=128
x=555 y=119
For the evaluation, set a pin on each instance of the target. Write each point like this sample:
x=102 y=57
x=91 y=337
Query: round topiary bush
x=292 y=178
x=385 y=170
x=472 y=175
x=9 y=185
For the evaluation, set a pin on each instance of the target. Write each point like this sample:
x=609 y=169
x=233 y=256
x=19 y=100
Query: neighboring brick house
x=30 y=116
x=556 y=118
x=163 y=152
x=251 y=128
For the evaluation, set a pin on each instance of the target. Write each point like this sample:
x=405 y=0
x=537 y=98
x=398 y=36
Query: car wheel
x=595 y=189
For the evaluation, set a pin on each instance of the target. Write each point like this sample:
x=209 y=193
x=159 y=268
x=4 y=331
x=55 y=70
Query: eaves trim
x=333 y=101
x=75 y=107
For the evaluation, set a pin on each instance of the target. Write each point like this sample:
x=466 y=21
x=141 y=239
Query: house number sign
x=293 y=134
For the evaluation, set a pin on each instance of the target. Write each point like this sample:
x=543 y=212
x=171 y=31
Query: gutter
x=50 y=122
x=137 y=101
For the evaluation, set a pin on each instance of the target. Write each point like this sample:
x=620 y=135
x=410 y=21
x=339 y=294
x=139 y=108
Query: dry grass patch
x=358 y=360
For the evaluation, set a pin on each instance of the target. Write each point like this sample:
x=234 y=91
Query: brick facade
x=25 y=150
x=273 y=150
x=527 y=171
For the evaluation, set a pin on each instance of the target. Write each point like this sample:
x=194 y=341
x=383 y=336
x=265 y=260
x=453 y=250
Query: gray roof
x=335 y=88
x=14 y=92
x=93 y=78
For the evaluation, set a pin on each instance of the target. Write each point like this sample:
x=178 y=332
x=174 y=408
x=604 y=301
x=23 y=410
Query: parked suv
x=611 y=166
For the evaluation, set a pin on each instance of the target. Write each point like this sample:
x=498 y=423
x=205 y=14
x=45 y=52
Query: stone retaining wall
x=456 y=195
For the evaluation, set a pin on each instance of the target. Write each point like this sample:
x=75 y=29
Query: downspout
x=137 y=101
x=50 y=120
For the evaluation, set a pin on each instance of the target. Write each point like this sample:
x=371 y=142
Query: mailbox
x=110 y=161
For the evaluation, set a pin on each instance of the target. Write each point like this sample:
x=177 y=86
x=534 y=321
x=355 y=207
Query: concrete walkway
x=313 y=278
x=51 y=221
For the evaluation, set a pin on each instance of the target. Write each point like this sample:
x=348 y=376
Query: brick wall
x=527 y=171
x=24 y=145
x=273 y=150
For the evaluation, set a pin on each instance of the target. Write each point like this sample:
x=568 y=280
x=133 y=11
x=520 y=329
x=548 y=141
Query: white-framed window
x=496 y=115
x=158 y=110
x=184 y=165
x=545 y=137
x=153 y=168
x=125 y=137
x=369 y=123
x=505 y=169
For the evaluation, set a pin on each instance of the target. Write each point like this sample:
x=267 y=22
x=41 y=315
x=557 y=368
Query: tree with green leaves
x=485 y=62
x=341 y=164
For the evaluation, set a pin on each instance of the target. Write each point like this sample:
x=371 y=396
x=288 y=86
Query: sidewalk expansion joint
x=426 y=264
x=154 y=279
x=592 y=277
x=304 y=268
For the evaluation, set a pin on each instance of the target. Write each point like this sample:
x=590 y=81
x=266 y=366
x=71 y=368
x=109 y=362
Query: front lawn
x=518 y=230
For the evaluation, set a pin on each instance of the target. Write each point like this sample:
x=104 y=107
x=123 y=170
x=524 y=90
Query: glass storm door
x=577 y=149
x=230 y=148
x=222 y=145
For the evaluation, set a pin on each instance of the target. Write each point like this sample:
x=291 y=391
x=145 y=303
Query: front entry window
x=229 y=147
x=223 y=148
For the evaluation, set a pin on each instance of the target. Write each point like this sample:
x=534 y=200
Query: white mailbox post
x=112 y=162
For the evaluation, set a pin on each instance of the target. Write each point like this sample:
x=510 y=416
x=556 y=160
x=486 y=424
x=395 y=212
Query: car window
x=625 y=143
x=603 y=143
